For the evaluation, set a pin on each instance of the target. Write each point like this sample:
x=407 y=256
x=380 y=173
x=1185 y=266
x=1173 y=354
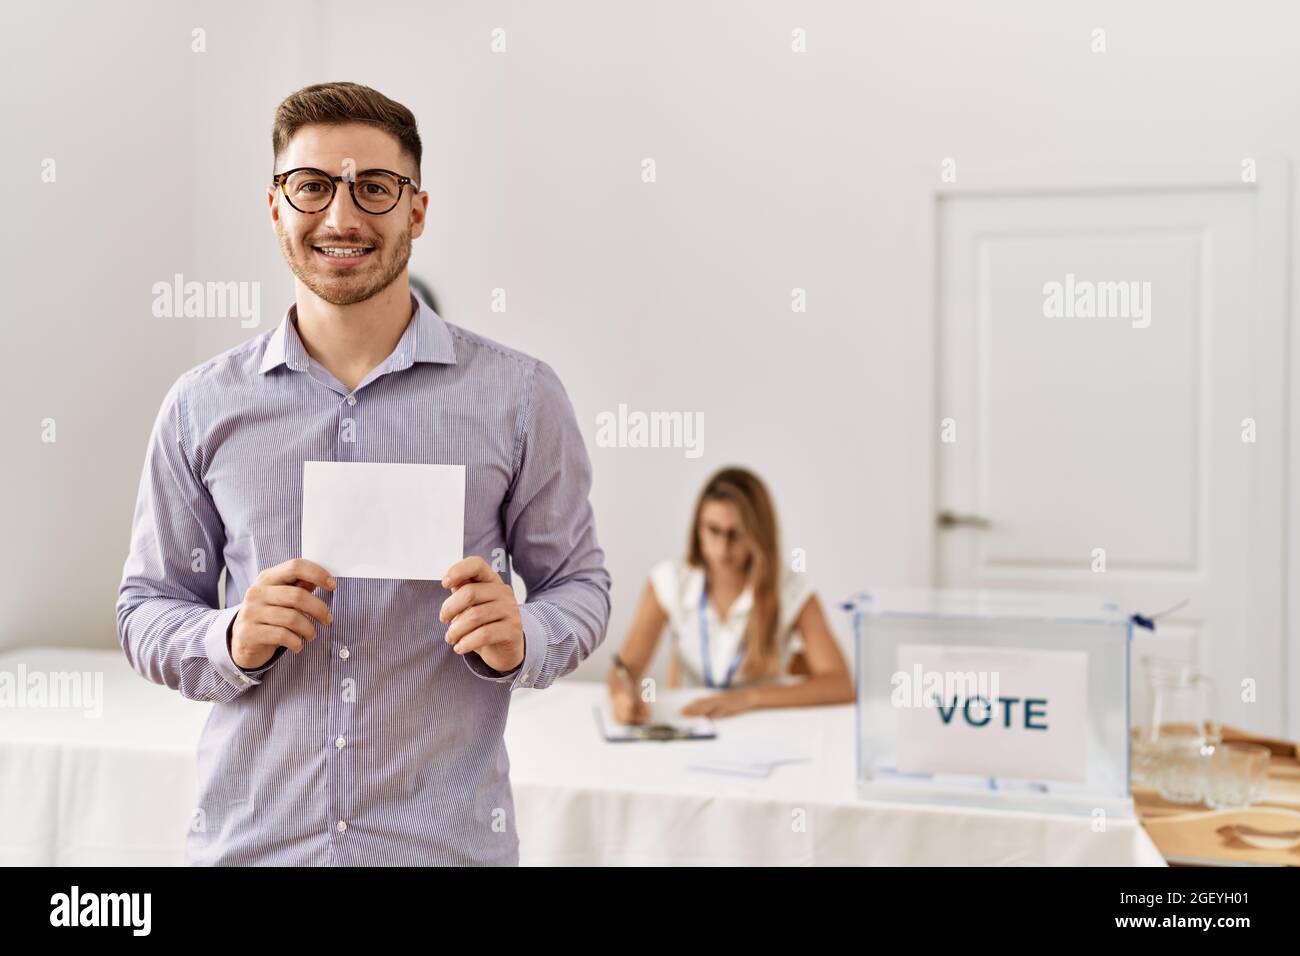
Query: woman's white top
x=678 y=586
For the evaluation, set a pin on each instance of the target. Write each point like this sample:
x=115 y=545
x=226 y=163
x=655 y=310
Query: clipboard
x=697 y=728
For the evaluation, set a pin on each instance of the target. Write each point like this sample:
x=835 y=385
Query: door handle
x=950 y=519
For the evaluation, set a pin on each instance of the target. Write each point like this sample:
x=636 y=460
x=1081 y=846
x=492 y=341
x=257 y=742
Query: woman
x=732 y=606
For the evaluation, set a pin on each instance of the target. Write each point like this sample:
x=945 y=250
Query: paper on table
x=382 y=520
x=749 y=756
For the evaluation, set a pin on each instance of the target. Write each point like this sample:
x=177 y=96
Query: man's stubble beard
x=393 y=258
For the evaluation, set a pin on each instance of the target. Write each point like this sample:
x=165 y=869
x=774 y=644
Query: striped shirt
x=377 y=744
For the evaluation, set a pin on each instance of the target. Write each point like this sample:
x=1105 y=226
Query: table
x=1193 y=835
x=583 y=801
x=118 y=789
x=113 y=790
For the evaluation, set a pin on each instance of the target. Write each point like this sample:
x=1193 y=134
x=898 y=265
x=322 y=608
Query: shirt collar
x=426 y=339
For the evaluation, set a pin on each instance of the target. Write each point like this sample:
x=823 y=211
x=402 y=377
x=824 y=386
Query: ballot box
x=1001 y=699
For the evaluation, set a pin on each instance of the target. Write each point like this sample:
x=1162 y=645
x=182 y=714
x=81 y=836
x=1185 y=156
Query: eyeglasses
x=727 y=534
x=375 y=191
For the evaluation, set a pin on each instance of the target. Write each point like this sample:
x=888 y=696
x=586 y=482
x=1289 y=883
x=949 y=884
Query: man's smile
x=343 y=255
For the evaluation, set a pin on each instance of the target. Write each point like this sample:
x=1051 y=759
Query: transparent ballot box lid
x=1002 y=699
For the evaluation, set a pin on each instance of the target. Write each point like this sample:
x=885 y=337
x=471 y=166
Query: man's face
x=383 y=242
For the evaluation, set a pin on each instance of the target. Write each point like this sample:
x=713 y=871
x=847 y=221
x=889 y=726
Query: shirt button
x=352 y=399
x=340 y=743
x=340 y=826
x=526 y=676
x=343 y=653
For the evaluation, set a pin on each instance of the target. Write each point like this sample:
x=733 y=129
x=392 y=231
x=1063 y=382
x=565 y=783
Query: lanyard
x=704 y=645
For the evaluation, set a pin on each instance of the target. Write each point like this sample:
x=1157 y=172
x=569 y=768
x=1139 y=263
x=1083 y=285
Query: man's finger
x=475 y=617
x=296 y=570
x=480 y=638
x=289 y=618
x=285 y=596
x=464 y=598
x=275 y=636
x=473 y=568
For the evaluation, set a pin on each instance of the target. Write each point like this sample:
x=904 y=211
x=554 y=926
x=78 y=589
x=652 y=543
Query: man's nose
x=343 y=216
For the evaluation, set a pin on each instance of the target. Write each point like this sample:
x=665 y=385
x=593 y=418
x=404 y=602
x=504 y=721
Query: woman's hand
x=722 y=705
x=629 y=708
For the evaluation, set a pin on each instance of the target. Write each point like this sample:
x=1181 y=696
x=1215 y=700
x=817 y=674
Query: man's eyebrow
x=359 y=169
x=385 y=169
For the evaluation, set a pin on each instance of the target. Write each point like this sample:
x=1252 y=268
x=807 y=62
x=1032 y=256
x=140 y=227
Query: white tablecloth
x=113 y=790
x=119 y=789
x=581 y=800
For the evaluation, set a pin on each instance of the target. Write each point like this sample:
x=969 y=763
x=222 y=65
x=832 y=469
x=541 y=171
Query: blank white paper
x=383 y=520
x=748 y=756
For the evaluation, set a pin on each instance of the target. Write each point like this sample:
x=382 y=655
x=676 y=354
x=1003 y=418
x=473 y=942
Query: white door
x=1103 y=357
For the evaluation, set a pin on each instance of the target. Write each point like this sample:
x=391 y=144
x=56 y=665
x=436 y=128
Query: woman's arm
x=637 y=651
x=830 y=681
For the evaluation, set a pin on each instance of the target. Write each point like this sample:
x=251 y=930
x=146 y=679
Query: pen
x=627 y=674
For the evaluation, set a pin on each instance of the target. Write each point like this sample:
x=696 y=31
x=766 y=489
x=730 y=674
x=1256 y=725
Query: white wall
x=775 y=170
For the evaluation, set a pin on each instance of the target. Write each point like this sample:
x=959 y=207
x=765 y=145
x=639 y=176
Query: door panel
x=1095 y=367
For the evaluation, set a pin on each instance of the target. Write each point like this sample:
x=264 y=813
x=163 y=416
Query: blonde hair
x=743 y=489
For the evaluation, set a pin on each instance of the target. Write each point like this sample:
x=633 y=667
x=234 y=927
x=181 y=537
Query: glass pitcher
x=1181 y=730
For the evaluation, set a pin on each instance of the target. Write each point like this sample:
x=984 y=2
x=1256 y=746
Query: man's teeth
x=344 y=252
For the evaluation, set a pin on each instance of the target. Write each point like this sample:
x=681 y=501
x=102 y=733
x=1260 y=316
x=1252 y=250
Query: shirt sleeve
x=168 y=621
x=551 y=536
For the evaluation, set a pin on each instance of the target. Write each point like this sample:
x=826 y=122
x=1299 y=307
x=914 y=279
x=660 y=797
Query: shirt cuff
x=525 y=674
x=217 y=644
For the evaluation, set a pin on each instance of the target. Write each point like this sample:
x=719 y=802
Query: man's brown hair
x=333 y=104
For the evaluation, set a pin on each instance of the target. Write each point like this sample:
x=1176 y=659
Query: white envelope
x=382 y=520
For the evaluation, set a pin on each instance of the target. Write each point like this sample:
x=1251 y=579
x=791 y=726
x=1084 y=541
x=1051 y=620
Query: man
x=379 y=739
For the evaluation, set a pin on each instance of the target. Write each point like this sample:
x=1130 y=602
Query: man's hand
x=721 y=705
x=280 y=608
x=483 y=613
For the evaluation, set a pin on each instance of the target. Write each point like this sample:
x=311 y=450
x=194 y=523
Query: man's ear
x=419 y=211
